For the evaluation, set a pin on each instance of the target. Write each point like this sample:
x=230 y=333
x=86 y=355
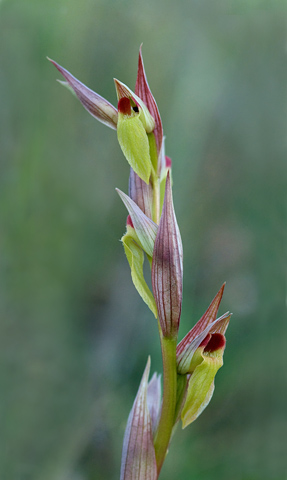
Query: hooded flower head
x=199 y=356
x=135 y=119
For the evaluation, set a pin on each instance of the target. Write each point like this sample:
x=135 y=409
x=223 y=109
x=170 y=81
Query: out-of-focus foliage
x=74 y=334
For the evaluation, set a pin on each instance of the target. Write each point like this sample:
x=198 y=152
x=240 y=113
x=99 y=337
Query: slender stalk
x=166 y=422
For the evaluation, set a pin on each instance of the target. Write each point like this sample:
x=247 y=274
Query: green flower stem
x=166 y=422
x=168 y=345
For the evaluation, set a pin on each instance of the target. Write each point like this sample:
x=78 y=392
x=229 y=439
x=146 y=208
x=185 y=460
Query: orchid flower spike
x=152 y=232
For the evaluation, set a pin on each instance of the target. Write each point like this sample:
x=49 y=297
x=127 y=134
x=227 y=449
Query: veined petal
x=154 y=399
x=138 y=456
x=140 y=193
x=221 y=324
x=96 y=105
x=143 y=91
x=145 y=228
x=167 y=268
x=188 y=346
x=209 y=316
x=125 y=92
x=135 y=256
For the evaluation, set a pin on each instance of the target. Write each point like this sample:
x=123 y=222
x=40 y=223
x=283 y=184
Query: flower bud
x=138 y=456
x=167 y=268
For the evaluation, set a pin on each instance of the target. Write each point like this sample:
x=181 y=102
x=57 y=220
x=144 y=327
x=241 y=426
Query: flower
x=199 y=356
x=135 y=119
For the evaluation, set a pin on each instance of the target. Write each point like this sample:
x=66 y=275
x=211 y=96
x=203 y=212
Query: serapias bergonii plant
x=189 y=367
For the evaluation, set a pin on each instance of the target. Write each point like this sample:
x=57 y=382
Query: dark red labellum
x=124 y=106
x=217 y=342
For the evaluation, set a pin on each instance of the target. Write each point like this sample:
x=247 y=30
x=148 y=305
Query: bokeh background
x=74 y=334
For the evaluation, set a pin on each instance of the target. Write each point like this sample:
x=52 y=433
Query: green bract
x=135 y=256
x=144 y=227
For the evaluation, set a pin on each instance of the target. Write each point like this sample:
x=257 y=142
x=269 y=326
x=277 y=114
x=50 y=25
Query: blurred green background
x=74 y=334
